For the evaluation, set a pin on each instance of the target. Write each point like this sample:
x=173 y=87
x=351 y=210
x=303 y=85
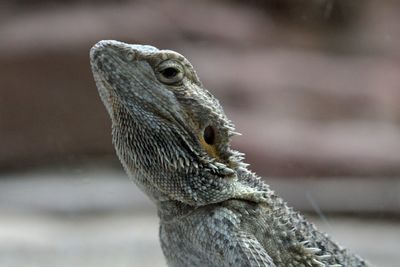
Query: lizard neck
x=170 y=211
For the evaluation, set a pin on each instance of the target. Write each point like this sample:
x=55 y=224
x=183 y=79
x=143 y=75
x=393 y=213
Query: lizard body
x=173 y=139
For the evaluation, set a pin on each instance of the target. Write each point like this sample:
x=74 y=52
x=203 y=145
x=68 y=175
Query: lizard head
x=170 y=133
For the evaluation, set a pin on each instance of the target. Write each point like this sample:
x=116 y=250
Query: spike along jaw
x=170 y=134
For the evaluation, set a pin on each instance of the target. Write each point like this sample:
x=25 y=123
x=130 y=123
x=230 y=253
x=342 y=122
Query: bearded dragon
x=173 y=139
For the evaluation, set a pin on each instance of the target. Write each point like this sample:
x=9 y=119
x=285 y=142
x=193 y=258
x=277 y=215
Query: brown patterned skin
x=173 y=140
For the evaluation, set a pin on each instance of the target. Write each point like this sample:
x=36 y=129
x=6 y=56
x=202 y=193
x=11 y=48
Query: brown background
x=314 y=86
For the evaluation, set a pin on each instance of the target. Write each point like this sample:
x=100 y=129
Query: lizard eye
x=169 y=72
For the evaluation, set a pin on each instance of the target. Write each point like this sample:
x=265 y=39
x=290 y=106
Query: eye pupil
x=209 y=135
x=169 y=72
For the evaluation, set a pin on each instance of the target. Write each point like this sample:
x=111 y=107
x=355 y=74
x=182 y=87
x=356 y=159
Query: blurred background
x=313 y=86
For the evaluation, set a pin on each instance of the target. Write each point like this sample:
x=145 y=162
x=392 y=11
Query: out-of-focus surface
x=89 y=216
x=313 y=85
x=123 y=240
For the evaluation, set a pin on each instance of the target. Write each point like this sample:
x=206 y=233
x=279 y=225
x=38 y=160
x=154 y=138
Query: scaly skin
x=173 y=140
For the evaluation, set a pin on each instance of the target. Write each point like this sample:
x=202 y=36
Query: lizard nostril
x=94 y=53
x=130 y=56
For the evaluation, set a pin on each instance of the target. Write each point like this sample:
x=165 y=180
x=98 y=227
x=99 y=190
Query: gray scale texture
x=213 y=211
